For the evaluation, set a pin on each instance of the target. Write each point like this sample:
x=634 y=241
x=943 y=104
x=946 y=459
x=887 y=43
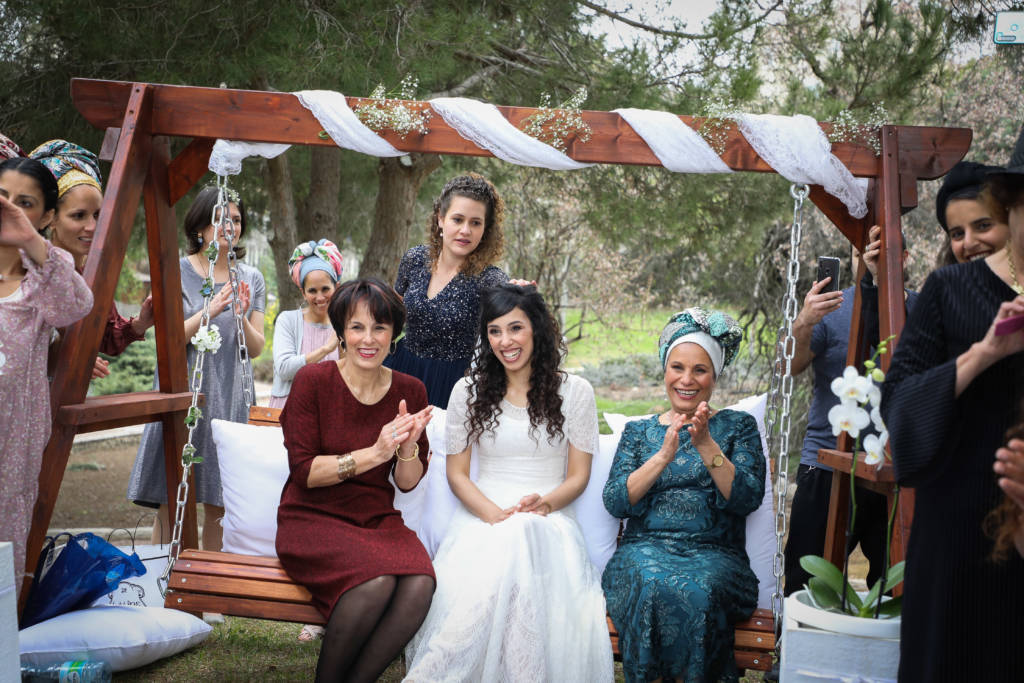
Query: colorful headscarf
x=716 y=332
x=72 y=165
x=310 y=256
x=8 y=149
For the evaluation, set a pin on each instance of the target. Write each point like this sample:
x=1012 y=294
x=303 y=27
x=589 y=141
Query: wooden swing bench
x=258 y=587
x=139 y=120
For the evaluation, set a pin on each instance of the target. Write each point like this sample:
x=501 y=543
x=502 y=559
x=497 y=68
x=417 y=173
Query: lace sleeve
x=455 y=432
x=581 y=414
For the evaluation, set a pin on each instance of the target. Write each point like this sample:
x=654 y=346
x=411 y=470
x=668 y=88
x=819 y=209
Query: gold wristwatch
x=717 y=461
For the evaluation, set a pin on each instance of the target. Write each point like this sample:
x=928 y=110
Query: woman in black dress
x=951 y=394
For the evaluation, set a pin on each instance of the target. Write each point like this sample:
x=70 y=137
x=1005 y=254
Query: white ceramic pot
x=802 y=609
x=823 y=646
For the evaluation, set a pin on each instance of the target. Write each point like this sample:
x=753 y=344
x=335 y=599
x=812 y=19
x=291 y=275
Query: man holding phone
x=822 y=331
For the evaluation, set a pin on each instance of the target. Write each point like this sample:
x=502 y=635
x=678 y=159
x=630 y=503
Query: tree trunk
x=284 y=233
x=393 y=212
x=318 y=213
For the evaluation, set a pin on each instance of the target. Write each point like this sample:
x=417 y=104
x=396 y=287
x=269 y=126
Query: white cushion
x=139 y=591
x=760 y=531
x=124 y=637
x=253 y=470
x=600 y=529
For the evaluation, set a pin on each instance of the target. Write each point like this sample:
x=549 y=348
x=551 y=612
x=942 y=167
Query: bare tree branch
x=466 y=85
x=675 y=34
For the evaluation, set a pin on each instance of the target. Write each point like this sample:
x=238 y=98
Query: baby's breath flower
x=555 y=125
x=860 y=128
x=388 y=112
x=719 y=114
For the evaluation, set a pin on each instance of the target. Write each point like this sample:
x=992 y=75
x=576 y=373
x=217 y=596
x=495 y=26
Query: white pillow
x=253 y=469
x=124 y=637
x=139 y=591
x=600 y=529
x=760 y=531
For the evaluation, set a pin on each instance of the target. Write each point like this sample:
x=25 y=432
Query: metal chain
x=228 y=228
x=220 y=219
x=780 y=395
x=194 y=415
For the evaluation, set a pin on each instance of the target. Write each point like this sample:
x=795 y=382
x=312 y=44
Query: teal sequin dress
x=680 y=577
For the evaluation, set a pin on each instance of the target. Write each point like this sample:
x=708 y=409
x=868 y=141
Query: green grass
x=627 y=334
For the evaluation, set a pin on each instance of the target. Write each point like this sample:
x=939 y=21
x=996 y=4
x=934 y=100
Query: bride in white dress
x=517 y=598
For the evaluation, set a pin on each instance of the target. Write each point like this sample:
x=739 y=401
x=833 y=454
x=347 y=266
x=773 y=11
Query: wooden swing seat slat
x=121 y=410
x=259 y=588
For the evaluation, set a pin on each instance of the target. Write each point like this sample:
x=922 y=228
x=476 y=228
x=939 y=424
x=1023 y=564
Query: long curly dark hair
x=492 y=244
x=489 y=381
x=1002 y=522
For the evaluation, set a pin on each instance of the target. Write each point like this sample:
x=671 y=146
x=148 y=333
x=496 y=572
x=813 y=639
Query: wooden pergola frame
x=140 y=117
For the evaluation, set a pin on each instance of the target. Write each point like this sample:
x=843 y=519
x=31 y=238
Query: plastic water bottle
x=78 y=671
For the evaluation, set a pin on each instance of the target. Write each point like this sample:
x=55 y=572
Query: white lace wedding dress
x=519 y=600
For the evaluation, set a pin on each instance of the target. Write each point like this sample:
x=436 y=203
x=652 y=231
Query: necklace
x=368 y=393
x=1015 y=285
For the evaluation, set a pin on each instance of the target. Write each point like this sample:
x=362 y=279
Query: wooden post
x=171 y=364
x=82 y=340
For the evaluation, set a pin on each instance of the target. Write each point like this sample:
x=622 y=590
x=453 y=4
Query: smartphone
x=828 y=266
x=1010 y=325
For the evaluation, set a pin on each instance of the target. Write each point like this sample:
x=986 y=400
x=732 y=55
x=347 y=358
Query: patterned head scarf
x=9 y=150
x=716 y=332
x=72 y=165
x=310 y=256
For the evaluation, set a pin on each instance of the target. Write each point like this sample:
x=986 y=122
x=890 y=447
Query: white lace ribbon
x=798 y=150
x=227 y=155
x=332 y=111
x=678 y=147
x=483 y=125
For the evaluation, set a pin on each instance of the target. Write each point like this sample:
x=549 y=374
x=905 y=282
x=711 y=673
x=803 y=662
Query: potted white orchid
x=830 y=627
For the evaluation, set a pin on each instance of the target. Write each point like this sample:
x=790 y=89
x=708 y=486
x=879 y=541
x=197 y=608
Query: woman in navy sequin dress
x=441 y=282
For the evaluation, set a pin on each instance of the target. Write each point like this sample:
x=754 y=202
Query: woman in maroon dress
x=348 y=425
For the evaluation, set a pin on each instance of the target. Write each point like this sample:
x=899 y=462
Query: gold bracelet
x=346 y=467
x=415 y=453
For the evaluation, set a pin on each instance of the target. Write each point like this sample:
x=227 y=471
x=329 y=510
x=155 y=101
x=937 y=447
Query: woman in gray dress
x=222 y=371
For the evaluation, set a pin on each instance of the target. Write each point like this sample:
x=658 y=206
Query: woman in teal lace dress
x=685 y=480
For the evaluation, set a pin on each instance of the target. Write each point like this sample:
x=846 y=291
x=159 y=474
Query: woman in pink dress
x=304 y=336
x=39 y=291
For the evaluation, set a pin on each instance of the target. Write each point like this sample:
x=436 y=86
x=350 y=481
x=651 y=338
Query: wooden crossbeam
x=259 y=116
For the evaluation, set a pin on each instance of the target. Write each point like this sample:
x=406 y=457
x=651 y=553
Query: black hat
x=963 y=180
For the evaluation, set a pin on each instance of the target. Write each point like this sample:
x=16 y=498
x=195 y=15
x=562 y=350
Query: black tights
x=370 y=625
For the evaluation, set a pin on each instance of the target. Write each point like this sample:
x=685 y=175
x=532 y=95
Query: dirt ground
x=93 y=492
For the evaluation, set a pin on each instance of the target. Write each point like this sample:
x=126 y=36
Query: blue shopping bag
x=73 y=575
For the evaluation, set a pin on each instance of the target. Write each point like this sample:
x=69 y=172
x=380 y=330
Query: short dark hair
x=381 y=299
x=35 y=170
x=198 y=218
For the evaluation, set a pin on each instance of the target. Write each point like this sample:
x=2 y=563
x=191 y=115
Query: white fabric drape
x=678 y=147
x=798 y=150
x=483 y=125
x=332 y=111
x=794 y=146
x=227 y=155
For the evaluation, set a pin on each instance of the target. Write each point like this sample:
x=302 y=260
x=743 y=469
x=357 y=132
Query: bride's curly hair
x=489 y=381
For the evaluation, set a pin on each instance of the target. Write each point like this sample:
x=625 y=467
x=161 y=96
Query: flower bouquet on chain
x=829 y=587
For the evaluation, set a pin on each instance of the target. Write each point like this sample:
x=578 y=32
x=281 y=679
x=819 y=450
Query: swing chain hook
x=780 y=396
